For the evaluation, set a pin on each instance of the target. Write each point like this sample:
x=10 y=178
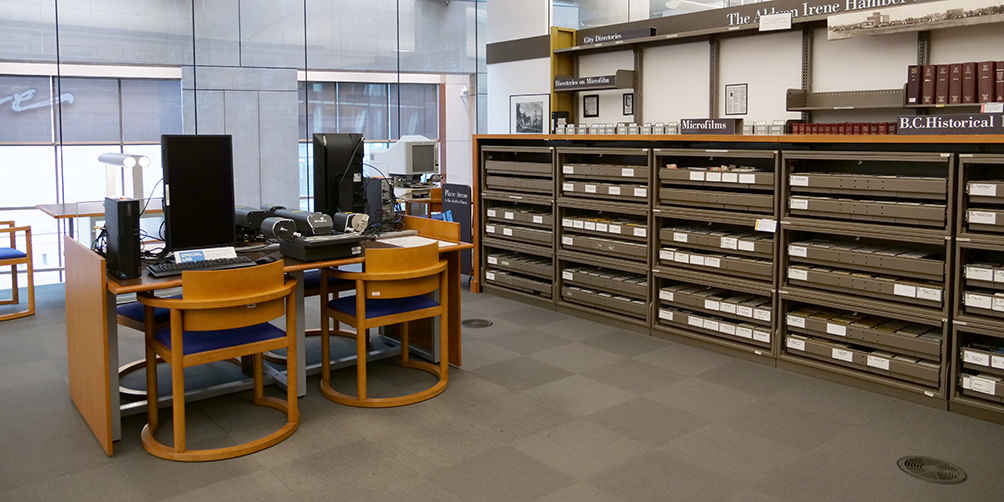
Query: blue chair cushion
x=202 y=341
x=312 y=280
x=379 y=308
x=134 y=311
x=10 y=254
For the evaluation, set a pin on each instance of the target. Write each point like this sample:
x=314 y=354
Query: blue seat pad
x=202 y=341
x=380 y=308
x=312 y=280
x=10 y=254
x=134 y=311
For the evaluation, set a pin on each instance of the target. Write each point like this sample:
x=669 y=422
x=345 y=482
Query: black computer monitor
x=198 y=191
x=338 y=173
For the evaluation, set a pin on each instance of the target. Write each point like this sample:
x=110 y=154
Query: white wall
x=611 y=101
x=532 y=76
x=862 y=63
x=515 y=19
x=675 y=80
x=458 y=130
x=770 y=64
x=967 y=43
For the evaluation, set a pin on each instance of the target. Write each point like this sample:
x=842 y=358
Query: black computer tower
x=338 y=173
x=122 y=226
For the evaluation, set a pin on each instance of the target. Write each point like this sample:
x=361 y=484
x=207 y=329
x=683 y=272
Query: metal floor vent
x=475 y=323
x=932 y=470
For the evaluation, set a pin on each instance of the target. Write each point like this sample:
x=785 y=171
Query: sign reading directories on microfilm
x=990 y=123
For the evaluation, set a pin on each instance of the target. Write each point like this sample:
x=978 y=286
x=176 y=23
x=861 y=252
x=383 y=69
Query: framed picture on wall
x=629 y=103
x=591 y=105
x=529 y=113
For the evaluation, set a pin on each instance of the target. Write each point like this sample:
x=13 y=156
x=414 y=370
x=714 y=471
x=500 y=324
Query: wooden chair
x=394 y=290
x=11 y=256
x=222 y=314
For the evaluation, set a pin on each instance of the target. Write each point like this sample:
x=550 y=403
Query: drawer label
x=681 y=257
x=508 y=216
x=797 y=274
x=728 y=307
x=796 y=344
x=836 y=329
x=973 y=357
x=614 y=190
x=744 y=311
x=568 y=187
x=493 y=260
x=984 y=217
x=490 y=276
x=713 y=262
x=747 y=246
x=747 y=179
x=728 y=329
x=565 y=222
x=764 y=225
x=904 y=290
x=601 y=227
x=696 y=175
x=589 y=225
x=679 y=237
x=843 y=355
x=568 y=169
x=667 y=295
x=997 y=362
x=796 y=321
x=491 y=212
x=933 y=294
x=802 y=204
x=641 y=192
x=761 y=336
x=794 y=250
x=712 y=305
x=878 y=362
x=999 y=275
x=490 y=229
x=615 y=229
x=710 y=325
x=984 y=189
x=695 y=321
x=568 y=241
x=590 y=188
x=666 y=255
x=983 y=385
x=730 y=178
x=746 y=333
x=713 y=177
x=538 y=219
x=507 y=232
x=640 y=232
x=627 y=172
x=799 y=181
x=998 y=304
x=696 y=259
x=666 y=314
x=761 y=315
x=978 y=301
x=980 y=274
x=578 y=224
x=729 y=243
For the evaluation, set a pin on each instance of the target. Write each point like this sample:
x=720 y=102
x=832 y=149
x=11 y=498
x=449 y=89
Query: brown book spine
x=969 y=82
x=927 y=85
x=873 y=128
x=857 y=128
x=955 y=84
x=842 y=129
x=985 y=81
x=999 y=85
x=883 y=128
x=913 y=85
x=941 y=85
x=892 y=128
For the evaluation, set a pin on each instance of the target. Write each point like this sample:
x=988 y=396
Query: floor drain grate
x=475 y=323
x=932 y=470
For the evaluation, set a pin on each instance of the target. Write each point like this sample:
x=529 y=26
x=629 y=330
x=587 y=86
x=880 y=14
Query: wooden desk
x=91 y=209
x=92 y=333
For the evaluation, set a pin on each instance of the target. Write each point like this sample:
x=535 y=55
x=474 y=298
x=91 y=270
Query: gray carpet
x=547 y=407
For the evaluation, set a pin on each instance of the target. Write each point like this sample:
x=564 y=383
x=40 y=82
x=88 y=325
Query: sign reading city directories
x=618 y=36
x=711 y=126
x=990 y=123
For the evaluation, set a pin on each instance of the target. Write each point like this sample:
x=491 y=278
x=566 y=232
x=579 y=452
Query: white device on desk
x=411 y=155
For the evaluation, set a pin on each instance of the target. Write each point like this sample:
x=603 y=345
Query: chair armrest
x=8 y=223
x=147 y=298
x=391 y=276
x=13 y=233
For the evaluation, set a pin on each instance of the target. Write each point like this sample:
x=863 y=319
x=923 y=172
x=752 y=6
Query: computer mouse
x=265 y=259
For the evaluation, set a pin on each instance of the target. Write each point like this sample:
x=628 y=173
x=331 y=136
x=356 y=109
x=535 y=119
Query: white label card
x=696 y=176
x=761 y=315
x=568 y=169
x=728 y=329
x=614 y=190
x=565 y=222
x=491 y=212
x=797 y=274
x=508 y=216
x=590 y=188
x=843 y=355
x=747 y=246
x=979 y=301
x=493 y=260
x=998 y=304
x=641 y=192
x=710 y=325
x=761 y=336
x=589 y=225
x=490 y=276
x=665 y=314
x=796 y=321
x=713 y=177
x=568 y=241
x=980 y=274
x=878 y=362
x=681 y=257
x=627 y=172
x=728 y=307
x=712 y=305
x=747 y=179
x=999 y=275
x=712 y=262
x=746 y=333
x=933 y=294
x=977 y=358
x=904 y=290
x=695 y=321
x=679 y=237
x=567 y=187
x=766 y=226
x=490 y=229
x=836 y=329
x=568 y=276
x=997 y=362
x=538 y=219
x=667 y=295
x=601 y=227
x=744 y=311
x=507 y=231
x=615 y=229
x=730 y=178
x=666 y=255
x=983 y=385
x=796 y=344
x=578 y=224
x=640 y=232
x=984 y=217
x=729 y=243
x=984 y=189
x=801 y=251
x=802 y=204
x=696 y=259
x=799 y=181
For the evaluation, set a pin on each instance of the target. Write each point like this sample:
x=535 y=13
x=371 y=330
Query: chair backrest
x=210 y=296
x=402 y=272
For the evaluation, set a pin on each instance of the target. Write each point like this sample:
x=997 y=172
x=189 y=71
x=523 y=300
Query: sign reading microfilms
x=563 y=83
x=618 y=36
x=951 y=124
x=711 y=126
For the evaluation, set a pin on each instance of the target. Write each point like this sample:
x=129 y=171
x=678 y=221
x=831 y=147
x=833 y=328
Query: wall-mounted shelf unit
x=800 y=100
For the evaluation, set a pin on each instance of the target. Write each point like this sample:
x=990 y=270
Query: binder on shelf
x=968 y=83
x=927 y=85
x=941 y=84
x=999 y=82
x=913 y=85
x=985 y=83
x=955 y=84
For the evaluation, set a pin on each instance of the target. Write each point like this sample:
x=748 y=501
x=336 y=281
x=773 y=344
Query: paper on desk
x=413 y=241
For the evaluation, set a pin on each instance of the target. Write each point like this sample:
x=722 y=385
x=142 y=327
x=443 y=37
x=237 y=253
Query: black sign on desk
x=990 y=123
x=457 y=208
x=711 y=126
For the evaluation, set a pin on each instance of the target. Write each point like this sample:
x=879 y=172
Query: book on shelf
x=999 y=85
x=913 y=85
x=985 y=81
x=927 y=84
x=955 y=84
x=941 y=85
x=969 y=83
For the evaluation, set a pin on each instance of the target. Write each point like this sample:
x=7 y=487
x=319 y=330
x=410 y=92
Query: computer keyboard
x=170 y=268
